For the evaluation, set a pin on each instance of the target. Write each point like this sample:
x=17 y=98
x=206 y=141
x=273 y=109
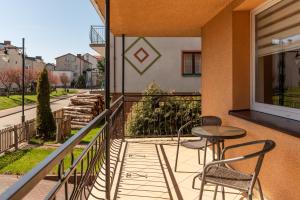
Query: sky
x=50 y=27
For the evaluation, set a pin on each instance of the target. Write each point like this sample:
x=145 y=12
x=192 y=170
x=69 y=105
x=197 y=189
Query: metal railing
x=77 y=179
x=97 y=35
x=85 y=175
x=159 y=115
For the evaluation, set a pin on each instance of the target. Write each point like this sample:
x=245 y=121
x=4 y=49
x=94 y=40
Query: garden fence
x=12 y=136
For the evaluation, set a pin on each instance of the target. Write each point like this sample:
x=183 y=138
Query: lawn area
x=89 y=137
x=22 y=161
x=16 y=100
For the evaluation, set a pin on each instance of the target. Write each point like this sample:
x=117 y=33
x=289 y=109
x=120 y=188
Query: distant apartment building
x=34 y=62
x=92 y=76
x=50 y=66
x=69 y=62
x=10 y=55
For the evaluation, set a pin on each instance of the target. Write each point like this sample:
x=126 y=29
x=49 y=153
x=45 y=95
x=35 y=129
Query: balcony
x=140 y=165
x=97 y=39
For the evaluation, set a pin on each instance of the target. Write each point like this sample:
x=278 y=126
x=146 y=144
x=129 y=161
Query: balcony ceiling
x=161 y=17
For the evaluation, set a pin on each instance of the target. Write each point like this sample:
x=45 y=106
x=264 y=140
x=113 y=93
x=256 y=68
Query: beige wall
x=12 y=60
x=72 y=63
x=226 y=86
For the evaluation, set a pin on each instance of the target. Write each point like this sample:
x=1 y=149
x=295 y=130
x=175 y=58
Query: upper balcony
x=97 y=39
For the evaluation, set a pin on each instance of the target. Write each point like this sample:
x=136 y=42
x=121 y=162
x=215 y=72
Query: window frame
x=291 y=113
x=193 y=61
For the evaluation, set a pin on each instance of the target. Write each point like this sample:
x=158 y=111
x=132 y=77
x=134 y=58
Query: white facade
x=92 y=77
x=162 y=65
x=12 y=58
x=69 y=62
x=91 y=59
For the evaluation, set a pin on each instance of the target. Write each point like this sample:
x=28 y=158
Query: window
x=276 y=54
x=191 y=63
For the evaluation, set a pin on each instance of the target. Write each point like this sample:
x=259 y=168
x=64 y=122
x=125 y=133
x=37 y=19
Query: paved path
x=39 y=192
x=15 y=118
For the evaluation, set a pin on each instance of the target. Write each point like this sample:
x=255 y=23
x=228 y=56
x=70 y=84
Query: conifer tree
x=45 y=123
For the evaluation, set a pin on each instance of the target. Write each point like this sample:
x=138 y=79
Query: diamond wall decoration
x=141 y=55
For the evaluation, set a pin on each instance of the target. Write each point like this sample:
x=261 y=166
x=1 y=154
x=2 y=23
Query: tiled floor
x=146 y=172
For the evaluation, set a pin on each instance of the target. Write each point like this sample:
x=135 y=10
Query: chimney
x=7 y=42
x=79 y=56
x=39 y=57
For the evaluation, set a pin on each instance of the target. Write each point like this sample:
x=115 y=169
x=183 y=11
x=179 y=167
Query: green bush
x=164 y=115
x=45 y=123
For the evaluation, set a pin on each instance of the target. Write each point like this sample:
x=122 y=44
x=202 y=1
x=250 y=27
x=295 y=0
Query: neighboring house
x=34 y=62
x=11 y=58
x=69 y=62
x=92 y=75
x=10 y=55
x=172 y=62
x=50 y=66
x=91 y=59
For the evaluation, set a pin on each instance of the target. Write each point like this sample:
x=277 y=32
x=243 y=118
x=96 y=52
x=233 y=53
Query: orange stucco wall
x=226 y=86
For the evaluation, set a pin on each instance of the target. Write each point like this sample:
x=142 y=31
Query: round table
x=217 y=135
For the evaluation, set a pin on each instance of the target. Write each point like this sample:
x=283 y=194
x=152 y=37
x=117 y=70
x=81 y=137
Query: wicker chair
x=218 y=174
x=199 y=144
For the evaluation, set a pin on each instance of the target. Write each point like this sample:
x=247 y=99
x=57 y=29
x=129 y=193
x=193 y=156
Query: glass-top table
x=217 y=135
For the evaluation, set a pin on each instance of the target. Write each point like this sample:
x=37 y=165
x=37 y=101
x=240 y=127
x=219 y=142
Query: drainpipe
x=114 y=64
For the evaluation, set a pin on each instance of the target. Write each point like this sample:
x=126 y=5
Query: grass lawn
x=22 y=161
x=89 y=137
x=16 y=100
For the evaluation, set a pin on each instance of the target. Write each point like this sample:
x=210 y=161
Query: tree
x=16 y=77
x=31 y=75
x=101 y=66
x=53 y=78
x=64 y=79
x=6 y=79
x=81 y=82
x=45 y=123
x=101 y=70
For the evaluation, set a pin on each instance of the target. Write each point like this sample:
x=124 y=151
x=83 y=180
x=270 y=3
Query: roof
x=51 y=64
x=74 y=56
x=30 y=58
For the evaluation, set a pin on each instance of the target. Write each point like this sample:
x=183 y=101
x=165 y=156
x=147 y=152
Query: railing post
x=16 y=136
x=107 y=97
x=123 y=83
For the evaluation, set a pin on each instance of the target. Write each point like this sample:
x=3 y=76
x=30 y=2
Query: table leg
x=218 y=150
x=213 y=151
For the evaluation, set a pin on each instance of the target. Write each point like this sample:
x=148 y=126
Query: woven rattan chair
x=199 y=144
x=218 y=174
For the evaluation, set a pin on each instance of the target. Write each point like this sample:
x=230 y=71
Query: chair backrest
x=202 y=121
x=268 y=145
x=211 y=121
